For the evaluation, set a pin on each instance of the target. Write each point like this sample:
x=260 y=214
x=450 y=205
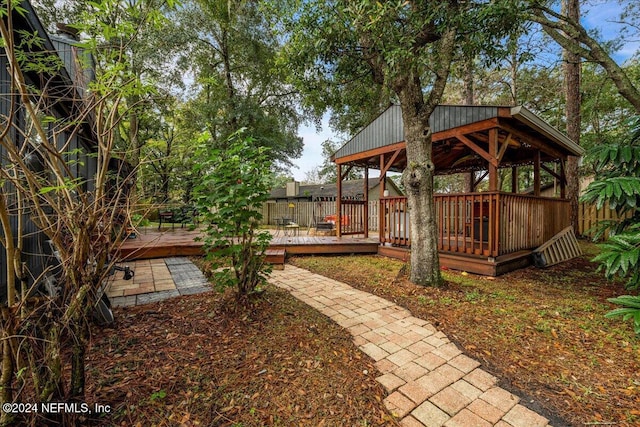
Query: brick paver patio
x=428 y=379
x=156 y=280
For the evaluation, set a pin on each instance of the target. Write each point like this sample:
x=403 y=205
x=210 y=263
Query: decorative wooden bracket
x=504 y=147
x=480 y=178
x=476 y=148
x=553 y=173
x=346 y=172
x=388 y=165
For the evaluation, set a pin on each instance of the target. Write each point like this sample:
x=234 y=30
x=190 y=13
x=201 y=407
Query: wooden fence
x=303 y=213
x=588 y=217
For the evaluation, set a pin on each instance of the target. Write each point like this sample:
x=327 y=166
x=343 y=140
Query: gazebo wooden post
x=339 y=202
x=366 y=202
x=381 y=210
x=563 y=180
x=536 y=173
x=514 y=180
x=493 y=152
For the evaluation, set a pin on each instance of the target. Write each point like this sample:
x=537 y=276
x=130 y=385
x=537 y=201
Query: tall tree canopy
x=341 y=48
x=577 y=40
x=230 y=50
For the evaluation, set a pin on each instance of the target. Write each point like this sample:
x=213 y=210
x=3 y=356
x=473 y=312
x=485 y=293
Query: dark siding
x=77 y=63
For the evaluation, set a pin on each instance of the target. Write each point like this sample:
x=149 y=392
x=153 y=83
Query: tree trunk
x=469 y=96
x=469 y=99
x=514 y=75
x=418 y=181
x=78 y=358
x=571 y=8
x=6 y=394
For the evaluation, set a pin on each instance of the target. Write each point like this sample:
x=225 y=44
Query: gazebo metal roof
x=460 y=136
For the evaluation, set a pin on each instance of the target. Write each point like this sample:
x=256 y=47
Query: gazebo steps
x=561 y=247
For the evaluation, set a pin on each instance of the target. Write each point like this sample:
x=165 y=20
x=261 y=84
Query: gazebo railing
x=394 y=221
x=527 y=222
x=484 y=224
x=352 y=217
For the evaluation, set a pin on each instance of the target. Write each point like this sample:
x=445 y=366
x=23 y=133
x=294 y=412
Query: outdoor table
x=291 y=229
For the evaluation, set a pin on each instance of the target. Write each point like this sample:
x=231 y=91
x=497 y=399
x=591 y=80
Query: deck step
x=275 y=256
x=561 y=247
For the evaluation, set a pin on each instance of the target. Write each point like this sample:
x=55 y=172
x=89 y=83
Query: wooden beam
x=514 y=179
x=536 y=174
x=366 y=202
x=563 y=180
x=346 y=172
x=339 y=202
x=551 y=171
x=480 y=178
x=465 y=130
x=493 y=165
x=532 y=140
x=371 y=153
x=388 y=165
x=476 y=148
x=504 y=147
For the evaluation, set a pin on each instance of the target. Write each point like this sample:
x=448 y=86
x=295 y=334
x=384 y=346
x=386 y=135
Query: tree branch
x=573 y=37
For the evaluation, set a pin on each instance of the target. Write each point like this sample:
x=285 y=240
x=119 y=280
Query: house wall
x=374 y=193
x=35 y=251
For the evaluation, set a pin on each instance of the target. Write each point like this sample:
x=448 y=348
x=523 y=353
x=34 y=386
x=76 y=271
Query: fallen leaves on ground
x=542 y=331
x=202 y=360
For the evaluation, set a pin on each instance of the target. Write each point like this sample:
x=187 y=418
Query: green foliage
x=620 y=255
x=617 y=185
x=231 y=51
x=235 y=183
x=617 y=181
x=158 y=395
x=630 y=310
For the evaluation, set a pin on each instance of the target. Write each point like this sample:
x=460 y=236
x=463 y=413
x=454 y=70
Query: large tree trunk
x=571 y=9
x=469 y=99
x=418 y=181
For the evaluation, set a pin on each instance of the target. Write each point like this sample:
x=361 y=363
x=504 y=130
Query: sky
x=600 y=14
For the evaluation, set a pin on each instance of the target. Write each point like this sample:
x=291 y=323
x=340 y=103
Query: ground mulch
x=204 y=360
x=541 y=331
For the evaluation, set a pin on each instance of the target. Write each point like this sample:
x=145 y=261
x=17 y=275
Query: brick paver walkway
x=429 y=381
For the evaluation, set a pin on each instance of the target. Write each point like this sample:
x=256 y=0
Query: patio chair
x=285 y=224
x=166 y=216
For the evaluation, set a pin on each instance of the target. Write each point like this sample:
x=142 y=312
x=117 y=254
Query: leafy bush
x=617 y=185
x=236 y=182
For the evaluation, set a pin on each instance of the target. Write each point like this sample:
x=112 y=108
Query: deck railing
x=394 y=221
x=352 y=216
x=527 y=221
x=487 y=224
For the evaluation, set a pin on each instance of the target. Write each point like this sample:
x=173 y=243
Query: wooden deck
x=150 y=244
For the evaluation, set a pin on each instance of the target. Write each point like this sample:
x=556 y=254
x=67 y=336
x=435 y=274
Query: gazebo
x=488 y=232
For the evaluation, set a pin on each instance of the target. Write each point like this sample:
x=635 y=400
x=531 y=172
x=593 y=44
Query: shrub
x=617 y=185
x=236 y=182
